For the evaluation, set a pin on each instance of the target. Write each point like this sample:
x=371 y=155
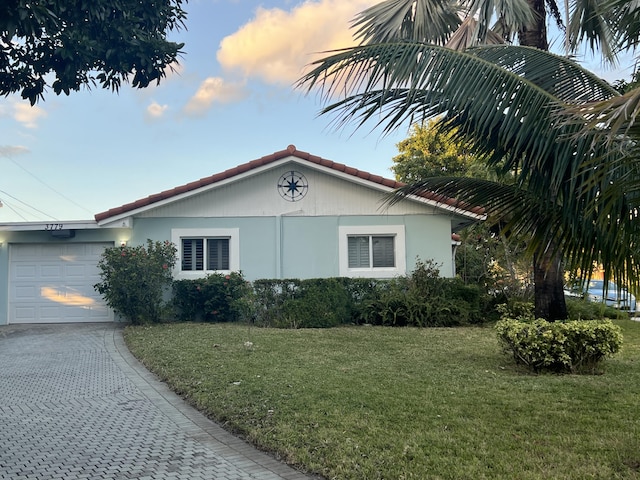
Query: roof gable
x=261 y=163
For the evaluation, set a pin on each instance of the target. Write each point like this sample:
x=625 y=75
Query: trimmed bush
x=311 y=303
x=214 y=298
x=422 y=299
x=560 y=347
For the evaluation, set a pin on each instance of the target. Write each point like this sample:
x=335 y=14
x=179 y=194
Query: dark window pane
x=383 y=252
x=218 y=254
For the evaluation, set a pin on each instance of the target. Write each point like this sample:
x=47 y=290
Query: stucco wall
x=307 y=247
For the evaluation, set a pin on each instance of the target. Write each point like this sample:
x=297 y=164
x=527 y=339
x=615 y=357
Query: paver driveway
x=75 y=404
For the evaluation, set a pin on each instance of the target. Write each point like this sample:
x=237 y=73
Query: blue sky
x=230 y=102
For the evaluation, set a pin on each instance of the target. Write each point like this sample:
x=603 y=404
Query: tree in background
x=429 y=153
x=506 y=101
x=486 y=256
x=67 y=45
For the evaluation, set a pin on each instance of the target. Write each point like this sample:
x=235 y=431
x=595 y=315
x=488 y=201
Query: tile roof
x=291 y=150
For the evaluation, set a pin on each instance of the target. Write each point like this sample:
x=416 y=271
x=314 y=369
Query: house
x=286 y=215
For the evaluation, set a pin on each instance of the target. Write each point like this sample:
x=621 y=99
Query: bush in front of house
x=424 y=299
x=214 y=298
x=134 y=279
x=559 y=347
x=295 y=303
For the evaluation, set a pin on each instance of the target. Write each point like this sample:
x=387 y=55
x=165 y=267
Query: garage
x=53 y=283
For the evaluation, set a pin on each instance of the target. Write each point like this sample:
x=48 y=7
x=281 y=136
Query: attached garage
x=53 y=283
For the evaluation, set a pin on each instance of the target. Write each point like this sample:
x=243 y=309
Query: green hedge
x=215 y=298
x=421 y=299
x=561 y=347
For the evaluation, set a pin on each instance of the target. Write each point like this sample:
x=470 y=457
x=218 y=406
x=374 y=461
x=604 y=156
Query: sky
x=230 y=101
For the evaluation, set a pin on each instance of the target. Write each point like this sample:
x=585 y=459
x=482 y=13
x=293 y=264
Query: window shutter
x=187 y=254
x=192 y=254
x=199 y=254
x=383 y=252
x=358 y=252
x=218 y=254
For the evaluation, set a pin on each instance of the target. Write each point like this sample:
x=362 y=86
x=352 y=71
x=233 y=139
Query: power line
x=8 y=156
x=46 y=215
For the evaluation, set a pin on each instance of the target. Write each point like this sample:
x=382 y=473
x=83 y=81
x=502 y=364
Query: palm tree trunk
x=548 y=273
x=535 y=35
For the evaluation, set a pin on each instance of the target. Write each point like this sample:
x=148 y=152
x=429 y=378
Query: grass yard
x=403 y=403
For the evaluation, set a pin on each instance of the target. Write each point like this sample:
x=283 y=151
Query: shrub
x=216 y=297
x=424 y=299
x=311 y=303
x=134 y=279
x=561 y=347
x=582 y=309
x=516 y=309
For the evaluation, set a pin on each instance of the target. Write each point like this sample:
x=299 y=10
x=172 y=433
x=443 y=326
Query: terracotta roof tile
x=262 y=161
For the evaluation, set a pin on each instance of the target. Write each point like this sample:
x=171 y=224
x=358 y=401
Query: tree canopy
x=429 y=153
x=67 y=45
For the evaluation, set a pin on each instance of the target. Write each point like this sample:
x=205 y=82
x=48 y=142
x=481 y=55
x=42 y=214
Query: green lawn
x=403 y=403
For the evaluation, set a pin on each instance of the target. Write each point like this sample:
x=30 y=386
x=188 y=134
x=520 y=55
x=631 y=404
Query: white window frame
x=233 y=234
x=396 y=231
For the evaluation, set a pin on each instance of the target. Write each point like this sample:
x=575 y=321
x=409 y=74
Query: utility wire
x=46 y=185
x=15 y=211
x=46 y=215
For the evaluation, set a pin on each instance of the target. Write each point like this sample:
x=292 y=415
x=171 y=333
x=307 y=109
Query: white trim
x=51 y=225
x=177 y=234
x=400 y=251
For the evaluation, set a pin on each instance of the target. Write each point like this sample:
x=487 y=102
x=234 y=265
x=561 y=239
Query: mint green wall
x=8 y=237
x=257 y=238
x=429 y=238
x=310 y=247
x=307 y=247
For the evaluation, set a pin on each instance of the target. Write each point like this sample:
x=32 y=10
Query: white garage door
x=53 y=283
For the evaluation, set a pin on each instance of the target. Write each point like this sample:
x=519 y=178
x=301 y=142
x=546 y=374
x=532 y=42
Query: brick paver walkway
x=74 y=404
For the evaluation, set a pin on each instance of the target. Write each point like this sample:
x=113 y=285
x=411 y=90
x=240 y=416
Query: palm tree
x=504 y=100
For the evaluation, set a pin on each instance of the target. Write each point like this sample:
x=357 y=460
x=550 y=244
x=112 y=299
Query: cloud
x=214 y=90
x=155 y=111
x=276 y=45
x=27 y=115
x=13 y=150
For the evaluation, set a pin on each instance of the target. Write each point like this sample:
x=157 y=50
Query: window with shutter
x=194 y=256
x=206 y=250
x=376 y=251
x=218 y=254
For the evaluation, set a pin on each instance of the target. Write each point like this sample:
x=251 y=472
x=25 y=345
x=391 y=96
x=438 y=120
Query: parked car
x=613 y=296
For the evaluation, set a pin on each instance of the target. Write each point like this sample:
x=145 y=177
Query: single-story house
x=286 y=215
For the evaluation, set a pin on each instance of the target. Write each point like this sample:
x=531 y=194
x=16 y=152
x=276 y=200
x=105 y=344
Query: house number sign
x=54 y=226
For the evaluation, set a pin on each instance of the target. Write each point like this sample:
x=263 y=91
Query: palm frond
x=502 y=96
x=466 y=36
x=591 y=22
x=414 y=20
